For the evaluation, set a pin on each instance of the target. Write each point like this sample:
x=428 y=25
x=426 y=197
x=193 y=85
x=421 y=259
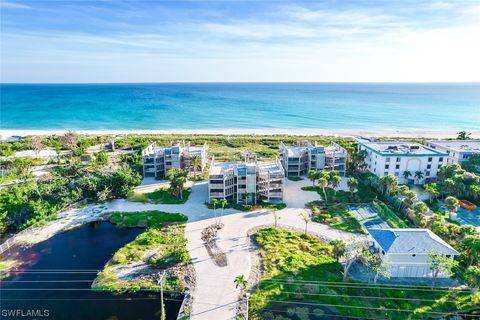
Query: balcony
x=216 y=194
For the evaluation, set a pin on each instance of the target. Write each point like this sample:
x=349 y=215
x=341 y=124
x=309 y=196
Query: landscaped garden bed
x=301 y=279
x=139 y=264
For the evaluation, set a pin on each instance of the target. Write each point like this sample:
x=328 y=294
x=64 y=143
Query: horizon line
x=246 y=82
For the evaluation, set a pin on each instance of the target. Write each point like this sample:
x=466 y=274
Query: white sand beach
x=414 y=133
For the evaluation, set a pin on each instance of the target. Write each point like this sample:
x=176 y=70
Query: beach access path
x=215 y=295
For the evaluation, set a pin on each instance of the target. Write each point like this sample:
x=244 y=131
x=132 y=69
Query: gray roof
x=410 y=241
x=457 y=145
x=401 y=148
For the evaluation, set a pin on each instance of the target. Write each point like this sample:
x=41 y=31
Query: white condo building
x=158 y=160
x=458 y=151
x=396 y=158
x=245 y=182
x=297 y=160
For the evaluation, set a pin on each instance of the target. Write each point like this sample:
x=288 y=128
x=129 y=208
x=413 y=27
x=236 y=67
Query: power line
x=359 y=307
x=319 y=315
x=78 y=289
x=90 y=299
x=363 y=296
x=347 y=285
x=40 y=281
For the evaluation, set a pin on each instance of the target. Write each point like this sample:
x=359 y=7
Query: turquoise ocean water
x=240 y=105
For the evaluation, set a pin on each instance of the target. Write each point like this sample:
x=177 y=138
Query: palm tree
x=275 y=215
x=418 y=175
x=432 y=190
x=402 y=192
x=241 y=283
x=335 y=181
x=223 y=203
x=338 y=248
x=451 y=204
x=359 y=159
x=383 y=183
x=392 y=183
x=177 y=178
x=352 y=184
x=214 y=203
x=410 y=198
x=323 y=182
x=407 y=174
x=306 y=220
x=312 y=175
x=196 y=163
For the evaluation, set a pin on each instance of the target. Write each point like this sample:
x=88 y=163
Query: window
x=441 y=159
x=429 y=159
x=413 y=255
x=387 y=159
x=385 y=173
x=398 y=159
x=427 y=173
x=448 y=256
x=387 y=166
x=396 y=174
x=429 y=166
x=397 y=166
x=383 y=252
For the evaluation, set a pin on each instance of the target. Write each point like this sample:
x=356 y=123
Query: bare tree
x=70 y=140
x=37 y=145
x=439 y=263
x=353 y=252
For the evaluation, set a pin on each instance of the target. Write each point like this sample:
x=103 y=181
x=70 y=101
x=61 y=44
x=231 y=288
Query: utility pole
x=162 y=306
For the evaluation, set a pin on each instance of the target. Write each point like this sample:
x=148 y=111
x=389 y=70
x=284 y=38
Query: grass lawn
x=149 y=219
x=295 y=178
x=362 y=195
x=161 y=195
x=160 y=247
x=301 y=280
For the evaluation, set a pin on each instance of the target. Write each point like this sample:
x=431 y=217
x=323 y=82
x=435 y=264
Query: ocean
x=173 y=106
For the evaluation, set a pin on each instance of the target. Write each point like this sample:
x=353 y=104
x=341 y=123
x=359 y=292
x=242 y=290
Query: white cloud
x=292 y=43
x=13 y=5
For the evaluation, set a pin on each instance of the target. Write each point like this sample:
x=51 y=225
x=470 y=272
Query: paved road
x=195 y=208
x=215 y=296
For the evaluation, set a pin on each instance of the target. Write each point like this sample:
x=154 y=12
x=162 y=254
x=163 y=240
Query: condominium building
x=245 y=182
x=458 y=151
x=403 y=160
x=297 y=160
x=157 y=160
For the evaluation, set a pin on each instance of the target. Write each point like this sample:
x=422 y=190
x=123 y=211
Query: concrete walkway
x=215 y=295
x=195 y=208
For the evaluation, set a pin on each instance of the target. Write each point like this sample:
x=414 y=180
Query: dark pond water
x=55 y=282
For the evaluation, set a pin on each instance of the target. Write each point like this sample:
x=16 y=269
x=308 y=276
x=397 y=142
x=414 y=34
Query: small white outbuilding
x=406 y=251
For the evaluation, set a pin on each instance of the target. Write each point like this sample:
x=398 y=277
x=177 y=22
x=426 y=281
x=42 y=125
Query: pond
x=55 y=281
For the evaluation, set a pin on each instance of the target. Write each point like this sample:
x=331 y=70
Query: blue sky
x=181 y=41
